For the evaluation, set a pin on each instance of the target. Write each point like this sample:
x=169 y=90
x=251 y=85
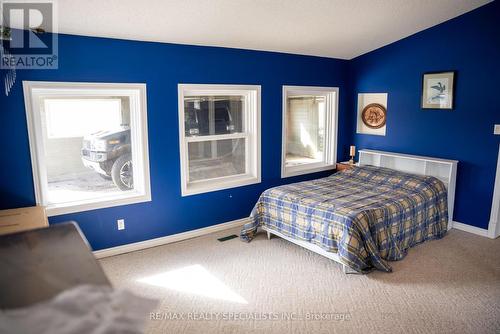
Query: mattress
x=367 y=215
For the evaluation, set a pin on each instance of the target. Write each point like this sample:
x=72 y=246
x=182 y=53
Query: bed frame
x=443 y=169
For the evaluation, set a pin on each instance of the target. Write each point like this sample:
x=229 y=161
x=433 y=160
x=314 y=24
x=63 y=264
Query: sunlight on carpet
x=194 y=280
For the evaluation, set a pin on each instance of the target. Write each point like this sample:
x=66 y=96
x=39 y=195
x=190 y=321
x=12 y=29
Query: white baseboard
x=168 y=239
x=224 y=226
x=471 y=229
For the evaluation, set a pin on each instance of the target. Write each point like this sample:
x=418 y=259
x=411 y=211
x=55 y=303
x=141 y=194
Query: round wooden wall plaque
x=374 y=115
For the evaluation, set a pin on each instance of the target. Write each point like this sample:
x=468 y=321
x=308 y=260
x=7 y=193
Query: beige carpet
x=450 y=285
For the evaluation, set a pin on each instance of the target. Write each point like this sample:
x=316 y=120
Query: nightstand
x=344 y=165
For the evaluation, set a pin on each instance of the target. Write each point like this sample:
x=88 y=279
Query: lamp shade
x=352 y=150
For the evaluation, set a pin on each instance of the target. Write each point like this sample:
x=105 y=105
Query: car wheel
x=122 y=172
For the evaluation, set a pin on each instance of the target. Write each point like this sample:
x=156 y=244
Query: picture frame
x=438 y=90
x=374 y=115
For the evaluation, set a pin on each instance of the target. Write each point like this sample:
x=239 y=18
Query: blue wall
x=469 y=44
x=162 y=67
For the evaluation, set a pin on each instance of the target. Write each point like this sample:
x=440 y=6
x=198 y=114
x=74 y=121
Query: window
x=88 y=144
x=309 y=129
x=219 y=130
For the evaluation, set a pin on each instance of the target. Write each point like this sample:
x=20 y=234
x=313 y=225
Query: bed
x=365 y=216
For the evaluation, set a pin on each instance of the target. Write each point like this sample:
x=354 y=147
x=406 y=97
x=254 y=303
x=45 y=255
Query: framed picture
x=372 y=114
x=438 y=90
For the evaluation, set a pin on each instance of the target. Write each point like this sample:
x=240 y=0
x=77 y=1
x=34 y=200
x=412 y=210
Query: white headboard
x=443 y=169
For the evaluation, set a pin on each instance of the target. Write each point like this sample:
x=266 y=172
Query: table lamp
x=352 y=153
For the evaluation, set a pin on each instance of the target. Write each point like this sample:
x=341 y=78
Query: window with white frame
x=88 y=143
x=219 y=136
x=309 y=129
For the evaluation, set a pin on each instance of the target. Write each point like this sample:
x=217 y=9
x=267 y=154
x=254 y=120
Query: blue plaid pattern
x=367 y=215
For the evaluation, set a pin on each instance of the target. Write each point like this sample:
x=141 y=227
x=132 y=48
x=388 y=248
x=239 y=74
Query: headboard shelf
x=443 y=169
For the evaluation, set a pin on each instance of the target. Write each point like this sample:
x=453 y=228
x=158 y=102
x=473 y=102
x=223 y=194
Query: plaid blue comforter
x=367 y=215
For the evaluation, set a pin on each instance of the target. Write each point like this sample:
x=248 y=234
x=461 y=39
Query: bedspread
x=367 y=215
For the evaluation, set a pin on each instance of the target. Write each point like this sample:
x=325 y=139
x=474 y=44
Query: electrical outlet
x=121 y=224
x=497 y=129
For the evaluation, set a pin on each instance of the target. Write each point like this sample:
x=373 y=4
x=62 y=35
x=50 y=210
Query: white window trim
x=33 y=90
x=252 y=135
x=331 y=128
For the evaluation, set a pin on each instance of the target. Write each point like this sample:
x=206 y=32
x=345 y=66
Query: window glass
x=305 y=135
x=309 y=137
x=87 y=145
x=76 y=117
x=216 y=158
x=213 y=115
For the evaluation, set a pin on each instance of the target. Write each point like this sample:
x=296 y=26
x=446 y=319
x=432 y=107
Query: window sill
x=219 y=184
x=99 y=203
x=305 y=169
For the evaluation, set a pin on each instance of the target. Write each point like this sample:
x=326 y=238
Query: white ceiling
x=331 y=28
